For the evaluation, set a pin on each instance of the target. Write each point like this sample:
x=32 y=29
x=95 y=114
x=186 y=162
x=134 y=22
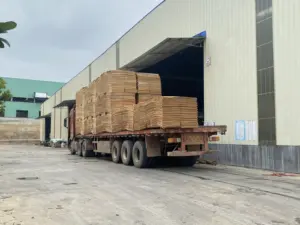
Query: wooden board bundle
x=80 y=105
x=166 y=112
x=110 y=108
x=139 y=116
x=108 y=105
x=123 y=119
x=116 y=81
x=145 y=97
x=148 y=83
x=113 y=102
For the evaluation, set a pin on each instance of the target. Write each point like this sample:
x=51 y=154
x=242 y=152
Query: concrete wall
x=286 y=28
x=19 y=130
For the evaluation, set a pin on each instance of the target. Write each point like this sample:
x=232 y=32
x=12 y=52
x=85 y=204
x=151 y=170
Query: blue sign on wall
x=240 y=130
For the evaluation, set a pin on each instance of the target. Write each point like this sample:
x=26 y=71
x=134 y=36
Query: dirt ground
x=44 y=186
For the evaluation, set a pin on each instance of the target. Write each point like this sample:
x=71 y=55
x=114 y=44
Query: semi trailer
x=140 y=148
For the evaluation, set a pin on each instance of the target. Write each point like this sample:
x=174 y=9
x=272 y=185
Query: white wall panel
x=42 y=129
x=104 y=63
x=78 y=82
x=286 y=33
x=230 y=82
x=170 y=19
x=64 y=130
x=48 y=105
x=56 y=118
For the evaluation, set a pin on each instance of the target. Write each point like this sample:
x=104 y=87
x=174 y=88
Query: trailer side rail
x=210 y=130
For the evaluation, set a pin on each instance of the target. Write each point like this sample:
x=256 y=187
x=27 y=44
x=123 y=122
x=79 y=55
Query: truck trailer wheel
x=73 y=148
x=78 y=151
x=86 y=153
x=139 y=154
x=126 y=152
x=116 y=151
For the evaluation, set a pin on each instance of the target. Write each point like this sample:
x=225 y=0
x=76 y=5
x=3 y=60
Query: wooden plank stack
x=139 y=116
x=117 y=81
x=166 y=112
x=89 y=109
x=148 y=83
x=109 y=105
x=123 y=119
x=115 y=91
x=80 y=105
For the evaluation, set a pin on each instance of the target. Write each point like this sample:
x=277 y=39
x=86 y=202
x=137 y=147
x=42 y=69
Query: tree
x=4 y=27
x=5 y=95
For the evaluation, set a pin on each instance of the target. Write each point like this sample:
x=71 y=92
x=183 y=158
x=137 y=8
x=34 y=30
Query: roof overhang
x=66 y=103
x=44 y=116
x=162 y=51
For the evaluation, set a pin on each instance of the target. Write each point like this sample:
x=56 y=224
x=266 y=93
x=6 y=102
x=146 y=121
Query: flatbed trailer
x=139 y=147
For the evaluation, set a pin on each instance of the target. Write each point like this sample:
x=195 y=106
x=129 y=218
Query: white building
x=239 y=57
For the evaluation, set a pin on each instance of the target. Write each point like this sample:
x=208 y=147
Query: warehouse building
x=27 y=96
x=239 y=58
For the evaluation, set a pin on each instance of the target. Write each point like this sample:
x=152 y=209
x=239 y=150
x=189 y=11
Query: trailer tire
x=139 y=154
x=116 y=151
x=126 y=152
x=86 y=153
x=73 y=148
x=78 y=150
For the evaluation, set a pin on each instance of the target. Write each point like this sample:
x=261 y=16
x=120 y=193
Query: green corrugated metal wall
x=24 y=88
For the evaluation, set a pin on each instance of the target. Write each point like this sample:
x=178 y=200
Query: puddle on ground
x=27 y=178
x=70 y=183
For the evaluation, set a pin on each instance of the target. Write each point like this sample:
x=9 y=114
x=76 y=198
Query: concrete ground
x=45 y=186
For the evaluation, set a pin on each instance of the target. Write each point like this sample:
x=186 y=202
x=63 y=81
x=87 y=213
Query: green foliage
x=4 y=27
x=5 y=95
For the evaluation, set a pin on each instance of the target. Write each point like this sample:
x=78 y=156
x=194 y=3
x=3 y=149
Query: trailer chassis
x=137 y=147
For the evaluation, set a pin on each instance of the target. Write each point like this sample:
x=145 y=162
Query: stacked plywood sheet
x=109 y=105
x=188 y=112
x=166 y=112
x=89 y=109
x=80 y=105
x=115 y=90
x=148 y=83
x=117 y=81
x=109 y=108
x=144 y=97
x=123 y=119
x=140 y=116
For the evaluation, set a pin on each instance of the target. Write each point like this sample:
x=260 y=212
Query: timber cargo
x=124 y=114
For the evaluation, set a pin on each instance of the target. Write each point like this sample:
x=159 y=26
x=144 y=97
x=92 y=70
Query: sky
x=56 y=39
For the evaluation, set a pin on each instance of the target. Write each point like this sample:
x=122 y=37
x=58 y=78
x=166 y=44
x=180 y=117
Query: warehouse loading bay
x=180 y=64
x=70 y=190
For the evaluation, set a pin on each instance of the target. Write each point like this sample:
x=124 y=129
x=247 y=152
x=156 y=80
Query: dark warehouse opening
x=182 y=74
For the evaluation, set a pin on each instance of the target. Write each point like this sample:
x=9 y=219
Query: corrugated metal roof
x=66 y=103
x=163 y=50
